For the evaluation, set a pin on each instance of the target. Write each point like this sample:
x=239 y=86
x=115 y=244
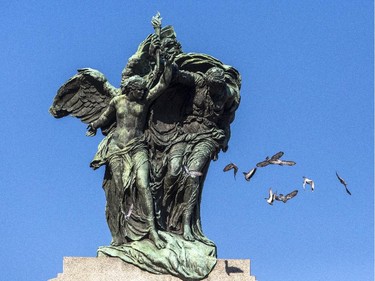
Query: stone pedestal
x=113 y=269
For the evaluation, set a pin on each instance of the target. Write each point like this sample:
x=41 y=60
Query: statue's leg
x=145 y=199
x=174 y=163
x=191 y=196
x=114 y=208
x=198 y=159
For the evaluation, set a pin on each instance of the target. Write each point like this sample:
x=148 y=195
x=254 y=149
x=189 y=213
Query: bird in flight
x=231 y=166
x=249 y=174
x=275 y=160
x=271 y=197
x=343 y=182
x=285 y=198
x=193 y=174
x=308 y=181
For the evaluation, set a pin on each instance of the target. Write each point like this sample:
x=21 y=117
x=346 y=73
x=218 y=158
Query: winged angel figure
x=121 y=114
x=172 y=113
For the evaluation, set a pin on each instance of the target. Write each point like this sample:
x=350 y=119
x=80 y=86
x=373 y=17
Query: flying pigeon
x=192 y=174
x=308 y=181
x=344 y=183
x=287 y=197
x=271 y=197
x=231 y=166
x=249 y=174
x=275 y=159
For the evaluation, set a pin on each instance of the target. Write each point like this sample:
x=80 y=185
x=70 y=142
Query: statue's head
x=169 y=43
x=215 y=76
x=134 y=87
x=171 y=46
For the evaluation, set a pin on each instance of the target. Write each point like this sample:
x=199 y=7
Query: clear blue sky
x=308 y=90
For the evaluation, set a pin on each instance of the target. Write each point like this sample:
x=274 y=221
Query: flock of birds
x=276 y=160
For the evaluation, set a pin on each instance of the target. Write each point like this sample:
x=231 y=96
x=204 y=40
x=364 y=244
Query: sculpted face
x=215 y=77
x=171 y=46
x=138 y=92
x=135 y=88
x=215 y=74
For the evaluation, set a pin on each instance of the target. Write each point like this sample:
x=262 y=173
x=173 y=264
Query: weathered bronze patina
x=170 y=117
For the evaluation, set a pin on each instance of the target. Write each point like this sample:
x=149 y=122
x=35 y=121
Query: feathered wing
x=277 y=155
x=231 y=166
x=291 y=195
x=341 y=179
x=288 y=163
x=85 y=96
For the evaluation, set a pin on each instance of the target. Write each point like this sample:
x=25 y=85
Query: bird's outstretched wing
x=341 y=179
x=231 y=166
x=277 y=155
x=343 y=182
x=285 y=198
x=85 y=96
x=291 y=195
x=288 y=163
x=271 y=196
x=248 y=175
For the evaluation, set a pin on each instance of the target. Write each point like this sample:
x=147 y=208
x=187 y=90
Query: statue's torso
x=131 y=118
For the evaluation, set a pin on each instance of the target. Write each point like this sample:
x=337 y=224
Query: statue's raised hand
x=168 y=70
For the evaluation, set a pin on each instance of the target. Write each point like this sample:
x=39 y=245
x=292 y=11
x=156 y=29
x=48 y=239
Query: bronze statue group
x=171 y=114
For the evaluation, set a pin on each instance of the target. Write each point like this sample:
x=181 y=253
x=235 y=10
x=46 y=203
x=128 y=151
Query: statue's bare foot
x=154 y=236
x=188 y=236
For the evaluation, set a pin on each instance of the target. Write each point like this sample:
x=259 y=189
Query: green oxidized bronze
x=170 y=117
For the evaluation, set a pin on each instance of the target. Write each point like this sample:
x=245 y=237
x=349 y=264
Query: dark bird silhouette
x=287 y=197
x=190 y=173
x=308 y=181
x=343 y=183
x=249 y=174
x=275 y=160
x=231 y=166
x=231 y=269
x=271 y=197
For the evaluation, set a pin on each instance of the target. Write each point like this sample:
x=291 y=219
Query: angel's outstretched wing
x=85 y=96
